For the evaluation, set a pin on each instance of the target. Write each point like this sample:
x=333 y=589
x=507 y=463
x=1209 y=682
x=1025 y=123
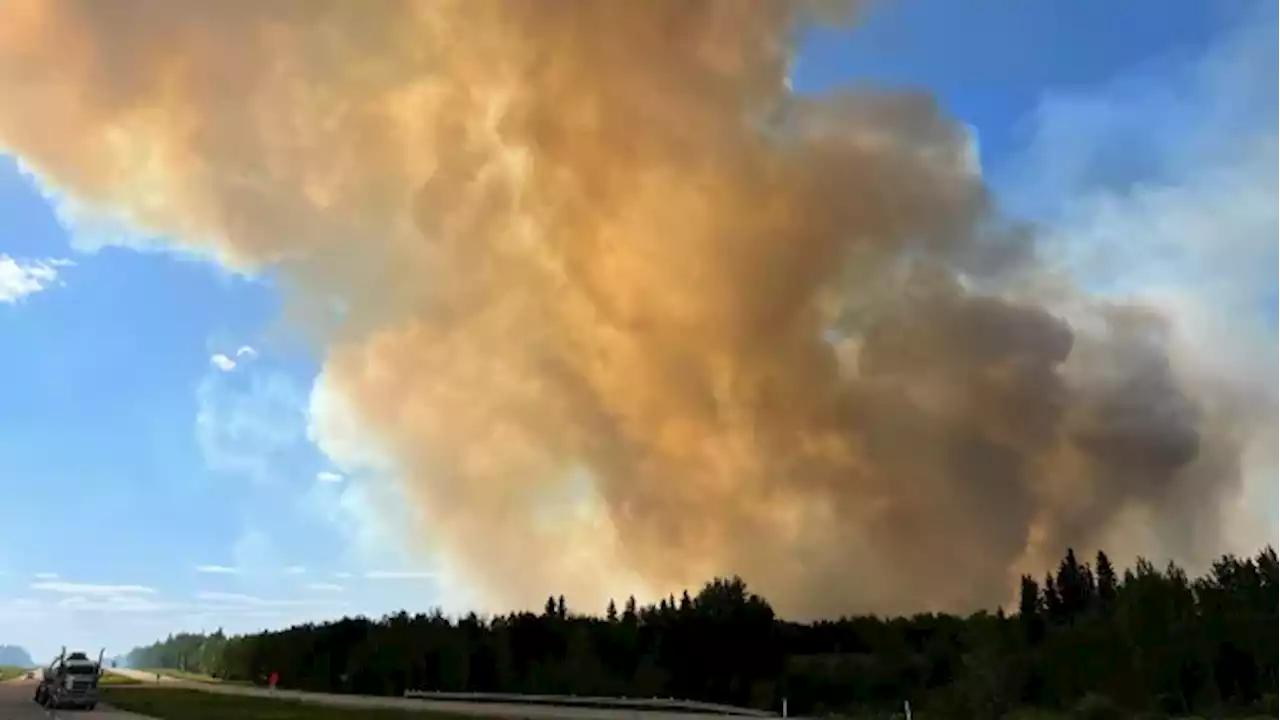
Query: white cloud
x=222 y=362
x=295 y=570
x=216 y=570
x=74 y=588
x=229 y=597
x=326 y=476
x=227 y=363
x=20 y=604
x=46 y=576
x=399 y=575
x=325 y=587
x=18 y=278
x=223 y=601
x=342 y=575
x=113 y=603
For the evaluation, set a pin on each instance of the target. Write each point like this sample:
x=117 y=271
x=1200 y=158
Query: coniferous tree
x=1072 y=591
x=1089 y=585
x=1052 y=600
x=1029 y=610
x=1106 y=576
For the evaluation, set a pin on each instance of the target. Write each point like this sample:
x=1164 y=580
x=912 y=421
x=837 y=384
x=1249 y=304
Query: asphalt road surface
x=488 y=710
x=16 y=704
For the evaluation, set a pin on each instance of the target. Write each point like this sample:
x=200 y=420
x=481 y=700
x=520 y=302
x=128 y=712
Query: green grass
x=9 y=672
x=181 y=675
x=182 y=704
x=113 y=679
x=193 y=676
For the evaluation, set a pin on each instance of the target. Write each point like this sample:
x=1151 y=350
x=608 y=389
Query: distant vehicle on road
x=70 y=681
x=31 y=675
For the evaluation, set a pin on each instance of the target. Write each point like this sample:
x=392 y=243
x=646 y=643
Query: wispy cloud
x=342 y=575
x=229 y=597
x=250 y=427
x=23 y=605
x=295 y=570
x=233 y=601
x=75 y=588
x=399 y=575
x=19 y=278
x=1160 y=187
x=326 y=476
x=368 y=507
x=46 y=576
x=114 y=603
x=216 y=570
x=246 y=352
x=325 y=587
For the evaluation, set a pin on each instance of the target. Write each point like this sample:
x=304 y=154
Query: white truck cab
x=71 y=680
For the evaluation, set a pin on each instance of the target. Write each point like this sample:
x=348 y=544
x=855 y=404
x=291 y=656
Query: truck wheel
x=91 y=706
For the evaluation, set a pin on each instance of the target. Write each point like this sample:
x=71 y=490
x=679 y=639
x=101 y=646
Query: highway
x=488 y=709
x=16 y=704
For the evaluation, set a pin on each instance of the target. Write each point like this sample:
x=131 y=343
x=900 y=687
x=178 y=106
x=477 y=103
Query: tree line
x=1084 y=638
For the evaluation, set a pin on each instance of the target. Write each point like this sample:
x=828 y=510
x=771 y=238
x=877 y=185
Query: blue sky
x=157 y=467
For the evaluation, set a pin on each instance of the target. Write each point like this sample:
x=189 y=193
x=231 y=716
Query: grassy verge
x=8 y=672
x=180 y=704
x=193 y=676
x=182 y=675
x=111 y=678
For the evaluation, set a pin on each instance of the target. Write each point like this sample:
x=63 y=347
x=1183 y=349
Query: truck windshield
x=81 y=670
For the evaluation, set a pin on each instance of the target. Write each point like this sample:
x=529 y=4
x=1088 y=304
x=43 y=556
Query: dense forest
x=1147 y=641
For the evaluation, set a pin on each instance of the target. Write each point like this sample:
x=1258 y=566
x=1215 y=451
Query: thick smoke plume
x=624 y=311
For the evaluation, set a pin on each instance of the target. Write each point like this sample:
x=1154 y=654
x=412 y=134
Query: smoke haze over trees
x=1089 y=634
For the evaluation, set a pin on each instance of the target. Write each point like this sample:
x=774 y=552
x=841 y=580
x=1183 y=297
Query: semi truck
x=71 y=681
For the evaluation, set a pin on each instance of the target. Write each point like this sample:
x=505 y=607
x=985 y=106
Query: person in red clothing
x=271 y=681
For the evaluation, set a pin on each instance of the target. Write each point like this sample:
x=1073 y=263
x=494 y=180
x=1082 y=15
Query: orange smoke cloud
x=623 y=311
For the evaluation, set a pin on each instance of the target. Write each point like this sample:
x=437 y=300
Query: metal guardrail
x=600 y=702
